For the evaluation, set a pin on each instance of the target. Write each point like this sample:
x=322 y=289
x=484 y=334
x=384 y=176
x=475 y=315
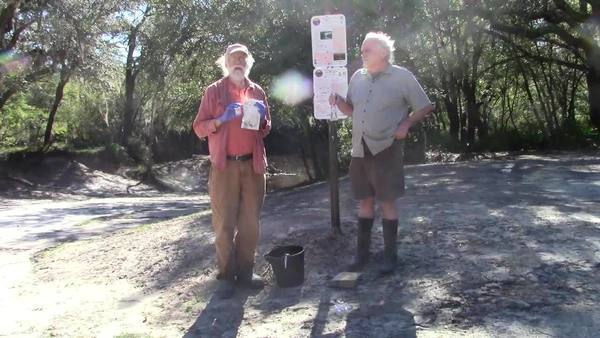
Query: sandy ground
x=488 y=248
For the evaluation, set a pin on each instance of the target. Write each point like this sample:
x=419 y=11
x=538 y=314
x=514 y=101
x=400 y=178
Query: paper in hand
x=251 y=117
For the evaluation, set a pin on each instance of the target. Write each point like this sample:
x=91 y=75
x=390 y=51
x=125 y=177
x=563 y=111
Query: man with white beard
x=384 y=101
x=238 y=166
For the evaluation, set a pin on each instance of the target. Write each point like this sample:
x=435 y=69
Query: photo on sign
x=339 y=56
x=326 y=35
x=328 y=41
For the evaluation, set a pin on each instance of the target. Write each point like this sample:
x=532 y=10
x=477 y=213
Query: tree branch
x=540 y=58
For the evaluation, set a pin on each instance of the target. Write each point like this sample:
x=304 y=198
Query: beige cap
x=237 y=47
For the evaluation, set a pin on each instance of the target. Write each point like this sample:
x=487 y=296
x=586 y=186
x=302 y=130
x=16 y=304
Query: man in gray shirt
x=380 y=97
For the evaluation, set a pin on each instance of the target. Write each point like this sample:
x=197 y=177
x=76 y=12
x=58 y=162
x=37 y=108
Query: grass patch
x=132 y=335
x=88 y=151
x=10 y=150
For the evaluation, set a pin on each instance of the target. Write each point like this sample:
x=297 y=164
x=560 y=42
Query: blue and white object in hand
x=262 y=108
x=252 y=115
x=232 y=111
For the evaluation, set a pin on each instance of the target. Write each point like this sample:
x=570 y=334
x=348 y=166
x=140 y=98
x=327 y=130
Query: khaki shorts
x=380 y=176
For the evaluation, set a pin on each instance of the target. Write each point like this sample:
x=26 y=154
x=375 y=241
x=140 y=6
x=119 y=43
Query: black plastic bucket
x=287 y=263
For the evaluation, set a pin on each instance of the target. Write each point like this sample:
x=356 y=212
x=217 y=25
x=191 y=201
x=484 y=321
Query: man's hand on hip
x=402 y=131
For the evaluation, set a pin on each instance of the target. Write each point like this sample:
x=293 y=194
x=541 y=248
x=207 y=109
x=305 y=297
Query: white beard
x=237 y=74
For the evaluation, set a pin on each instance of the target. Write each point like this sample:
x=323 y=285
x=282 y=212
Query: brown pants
x=236 y=196
x=381 y=175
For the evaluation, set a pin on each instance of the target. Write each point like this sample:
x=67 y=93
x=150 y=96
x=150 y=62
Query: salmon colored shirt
x=240 y=141
x=216 y=98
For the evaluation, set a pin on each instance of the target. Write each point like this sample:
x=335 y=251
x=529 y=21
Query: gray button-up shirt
x=381 y=103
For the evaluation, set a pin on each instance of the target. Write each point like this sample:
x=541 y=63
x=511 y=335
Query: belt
x=244 y=157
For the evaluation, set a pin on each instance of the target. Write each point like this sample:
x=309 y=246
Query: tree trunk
x=65 y=74
x=572 y=100
x=483 y=126
x=593 y=83
x=536 y=114
x=305 y=163
x=473 y=118
x=453 y=117
x=6 y=95
x=317 y=151
x=7 y=15
x=593 y=75
x=311 y=142
x=130 y=75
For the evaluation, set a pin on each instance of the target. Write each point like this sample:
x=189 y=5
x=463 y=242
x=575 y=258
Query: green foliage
x=502 y=74
x=21 y=124
x=345 y=142
x=82 y=120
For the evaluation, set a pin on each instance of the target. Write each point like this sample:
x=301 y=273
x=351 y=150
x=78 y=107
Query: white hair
x=385 y=41
x=222 y=63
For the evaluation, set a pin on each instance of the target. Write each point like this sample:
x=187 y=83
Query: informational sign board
x=330 y=77
x=329 y=40
x=329 y=80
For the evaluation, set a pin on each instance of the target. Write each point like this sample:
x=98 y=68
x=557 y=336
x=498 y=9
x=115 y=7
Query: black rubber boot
x=250 y=280
x=225 y=289
x=390 y=242
x=363 y=244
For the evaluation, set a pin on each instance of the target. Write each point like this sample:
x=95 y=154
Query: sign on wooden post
x=330 y=57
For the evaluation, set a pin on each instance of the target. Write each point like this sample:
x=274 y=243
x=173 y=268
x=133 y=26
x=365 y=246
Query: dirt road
x=489 y=248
